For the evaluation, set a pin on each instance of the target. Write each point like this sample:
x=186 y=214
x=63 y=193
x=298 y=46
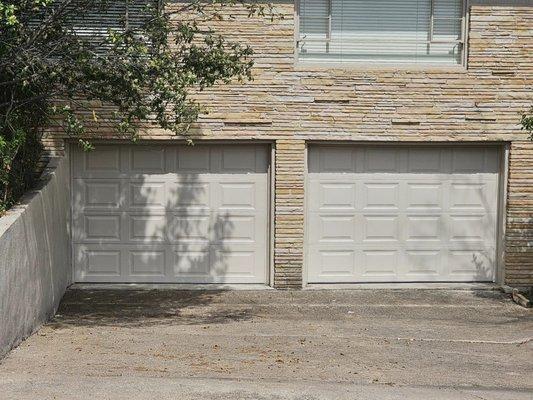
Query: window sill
x=371 y=67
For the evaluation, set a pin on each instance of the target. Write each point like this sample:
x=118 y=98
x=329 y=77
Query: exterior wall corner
x=519 y=225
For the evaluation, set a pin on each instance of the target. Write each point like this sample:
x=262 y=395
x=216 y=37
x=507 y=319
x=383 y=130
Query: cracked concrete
x=357 y=344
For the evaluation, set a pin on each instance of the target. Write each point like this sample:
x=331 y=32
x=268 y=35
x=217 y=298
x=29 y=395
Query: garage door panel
x=423 y=265
x=171 y=214
x=405 y=213
x=474 y=264
x=235 y=261
x=107 y=160
x=236 y=195
x=188 y=196
x=382 y=196
x=97 y=263
x=97 y=194
x=335 y=228
x=191 y=262
x=379 y=265
x=234 y=228
x=248 y=159
x=146 y=160
x=188 y=228
x=424 y=228
x=102 y=164
x=473 y=196
x=148 y=228
x=100 y=262
x=492 y=162
x=466 y=161
x=143 y=263
x=335 y=196
x=332 y=263
x=247 y=195
x=146 y=195
x=424 y=196
x=338 y=160
x=98 y=227
x=193 y=160
x=336 y=263
x=381 y=160
x=223 y=263
x=471 y=228
x=381 y=228
x=425 y=161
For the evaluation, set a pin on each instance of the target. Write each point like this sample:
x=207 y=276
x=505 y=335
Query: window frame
x=463 y=64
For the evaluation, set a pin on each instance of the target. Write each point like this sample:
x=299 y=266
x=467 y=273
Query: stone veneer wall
x=519 y=233
x=289 y=103
x=289 y=213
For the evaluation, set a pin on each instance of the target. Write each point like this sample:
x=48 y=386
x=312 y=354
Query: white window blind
x=382 y=31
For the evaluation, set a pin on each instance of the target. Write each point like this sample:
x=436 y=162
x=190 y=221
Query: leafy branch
x=527 y=123
x=72 y=64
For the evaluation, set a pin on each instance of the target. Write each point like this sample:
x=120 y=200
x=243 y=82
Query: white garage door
x=402 y=214
x=170 y=213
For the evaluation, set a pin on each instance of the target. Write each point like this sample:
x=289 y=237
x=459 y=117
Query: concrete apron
x=353 y=344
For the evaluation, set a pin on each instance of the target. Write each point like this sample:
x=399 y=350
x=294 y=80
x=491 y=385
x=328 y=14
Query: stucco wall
x=34 y=256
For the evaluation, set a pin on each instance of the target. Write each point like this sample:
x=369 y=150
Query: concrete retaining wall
x=35 y=256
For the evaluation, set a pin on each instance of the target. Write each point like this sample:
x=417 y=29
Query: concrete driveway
x=358 y=344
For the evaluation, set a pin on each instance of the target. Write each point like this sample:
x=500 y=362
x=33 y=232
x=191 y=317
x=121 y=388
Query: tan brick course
x=519 y=232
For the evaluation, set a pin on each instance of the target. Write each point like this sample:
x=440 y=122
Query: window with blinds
x=93 y=22
x=381 y=31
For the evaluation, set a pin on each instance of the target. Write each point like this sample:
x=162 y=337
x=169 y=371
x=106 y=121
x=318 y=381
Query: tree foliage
x=527 y=123
x=56 y=63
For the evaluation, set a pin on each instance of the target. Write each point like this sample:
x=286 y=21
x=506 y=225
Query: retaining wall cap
x=11 y=216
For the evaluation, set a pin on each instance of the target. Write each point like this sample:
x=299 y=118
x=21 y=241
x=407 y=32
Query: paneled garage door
x=170 y=213
x=402 y=214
